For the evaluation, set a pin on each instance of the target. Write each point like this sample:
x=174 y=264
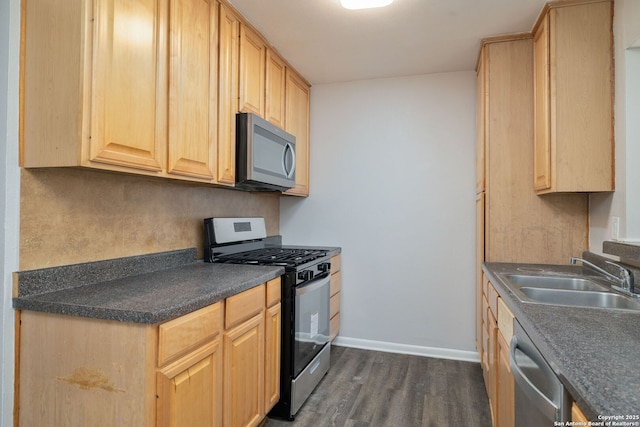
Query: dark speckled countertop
x=144 y=289
x=595 y=352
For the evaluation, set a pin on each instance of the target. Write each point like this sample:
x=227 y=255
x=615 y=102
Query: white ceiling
x=328 y=44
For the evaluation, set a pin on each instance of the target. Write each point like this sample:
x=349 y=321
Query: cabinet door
x=190 y=389
x=574 y=114
x=492 y=361
x=577 y=415
x=505 y=396
x=484 y=357
x=244 y=373
x=272 y=357
x=581 y=77
x=297 y=123
x=252 y=72
x=334 y=298
x=542 y=141
x=229 y=29
x=193 y=50
x=275 y=87
x=481 y=99
x=127 y=120
x=479 y=260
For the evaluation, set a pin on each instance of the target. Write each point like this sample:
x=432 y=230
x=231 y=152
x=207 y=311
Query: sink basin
x=567 y=290
x=554 y=282
x=579 y=298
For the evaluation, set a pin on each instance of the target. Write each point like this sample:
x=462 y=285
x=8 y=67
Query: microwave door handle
x=289 y=148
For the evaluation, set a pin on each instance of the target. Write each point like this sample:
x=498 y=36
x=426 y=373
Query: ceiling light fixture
x=364 y=4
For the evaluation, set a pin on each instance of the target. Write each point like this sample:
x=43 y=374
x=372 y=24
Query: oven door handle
x=313 y=285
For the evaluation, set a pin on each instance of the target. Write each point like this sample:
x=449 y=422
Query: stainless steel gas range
x=305 y=300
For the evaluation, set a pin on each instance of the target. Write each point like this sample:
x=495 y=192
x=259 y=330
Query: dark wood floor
x=373 y=389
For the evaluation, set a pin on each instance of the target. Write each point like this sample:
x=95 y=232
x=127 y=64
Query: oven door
x=311 y=321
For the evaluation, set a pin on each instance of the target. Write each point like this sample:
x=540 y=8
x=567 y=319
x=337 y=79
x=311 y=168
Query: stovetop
x=244 y=241
x=284 y=256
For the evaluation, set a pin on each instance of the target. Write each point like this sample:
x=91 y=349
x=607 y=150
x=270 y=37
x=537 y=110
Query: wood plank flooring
x=373 y=389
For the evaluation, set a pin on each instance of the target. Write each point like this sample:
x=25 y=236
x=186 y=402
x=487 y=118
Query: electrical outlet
x=615 y=228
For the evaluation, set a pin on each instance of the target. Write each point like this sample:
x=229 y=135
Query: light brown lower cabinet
x=189 y=390
x=244 y=358
x=577 y=414
x=491 y=376
x=505 y=386
x=215 y=366
x=189 y=377
x=244 y=369
x=334 y=294
x=273 y=320
x=505 y=398
x=497 y=331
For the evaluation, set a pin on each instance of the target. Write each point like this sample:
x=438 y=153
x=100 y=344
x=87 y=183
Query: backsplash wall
x=68 y=216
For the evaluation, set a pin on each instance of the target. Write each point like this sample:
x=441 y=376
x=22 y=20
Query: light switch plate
x=615 y=228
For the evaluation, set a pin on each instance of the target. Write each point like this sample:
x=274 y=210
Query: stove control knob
x=324 y=267
x=305 y=275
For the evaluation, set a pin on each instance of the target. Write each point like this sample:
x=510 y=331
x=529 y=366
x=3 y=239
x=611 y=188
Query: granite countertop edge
x=593 y=351
x=153 y=296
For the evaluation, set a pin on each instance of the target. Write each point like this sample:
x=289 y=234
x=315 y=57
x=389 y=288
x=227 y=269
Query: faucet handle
x=627 y=279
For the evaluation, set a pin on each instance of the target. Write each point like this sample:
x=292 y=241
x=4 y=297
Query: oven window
x=311 y=321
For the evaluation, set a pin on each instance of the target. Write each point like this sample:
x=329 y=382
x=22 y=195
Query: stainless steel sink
x=567 y=290
x=554 y=282
x=580 y=298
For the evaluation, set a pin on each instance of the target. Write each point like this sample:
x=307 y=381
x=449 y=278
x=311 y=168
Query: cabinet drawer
x=485 y=307
x=273 y=292
x=187 y=332
x=244 y=306
x=485 y=285
x=505 y=320
x=336 y=280
x=335 y=263
x=334 y=305
x=492 y=299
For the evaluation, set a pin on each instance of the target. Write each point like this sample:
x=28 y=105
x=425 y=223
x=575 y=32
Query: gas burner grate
x=273 y=256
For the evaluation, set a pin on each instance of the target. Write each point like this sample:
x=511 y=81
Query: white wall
x=9 y=194
x=392 y=183
x=625 y=202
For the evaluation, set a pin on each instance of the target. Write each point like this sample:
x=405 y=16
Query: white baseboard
x=389 y=347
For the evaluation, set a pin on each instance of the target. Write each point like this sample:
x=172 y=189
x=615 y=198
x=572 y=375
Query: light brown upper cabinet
x=127 y=86
x=229 y=29
x=275 y=86
x=297 y=123
x=193 y=63
x=151 y=87
x=573 y=90
x=273 y=91
x=93 y=85
x=252 y=72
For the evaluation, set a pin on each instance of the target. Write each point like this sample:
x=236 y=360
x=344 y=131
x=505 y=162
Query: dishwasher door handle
x=535 y=395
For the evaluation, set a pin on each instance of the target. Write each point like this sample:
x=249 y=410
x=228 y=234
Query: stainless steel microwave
x=265 y=155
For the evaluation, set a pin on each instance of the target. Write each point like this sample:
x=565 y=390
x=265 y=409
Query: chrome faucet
x=626 y=281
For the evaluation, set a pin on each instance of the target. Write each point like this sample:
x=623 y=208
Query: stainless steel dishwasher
x=540 y=397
